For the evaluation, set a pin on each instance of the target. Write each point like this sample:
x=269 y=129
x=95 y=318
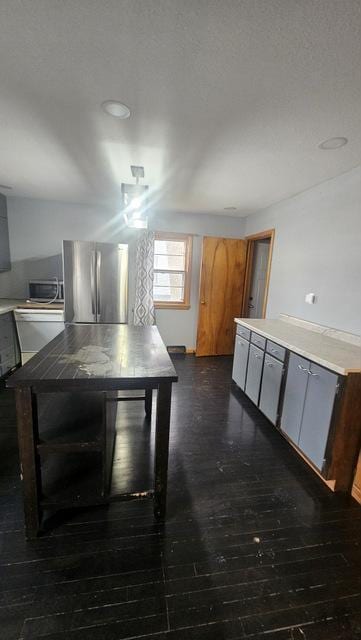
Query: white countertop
x=9 y=304
x=337 y=355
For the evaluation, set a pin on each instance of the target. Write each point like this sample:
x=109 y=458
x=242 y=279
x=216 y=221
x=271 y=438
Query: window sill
x=179 y=306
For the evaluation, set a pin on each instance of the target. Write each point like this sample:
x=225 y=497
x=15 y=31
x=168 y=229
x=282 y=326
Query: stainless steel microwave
x=46 y=290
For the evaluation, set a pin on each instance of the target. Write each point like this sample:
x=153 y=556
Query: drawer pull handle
x=315 y=375
x=303 y=368
x=274 y=350
x=256 y=356
x=269 y=364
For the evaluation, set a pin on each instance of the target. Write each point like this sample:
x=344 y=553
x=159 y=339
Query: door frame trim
x=268 y=233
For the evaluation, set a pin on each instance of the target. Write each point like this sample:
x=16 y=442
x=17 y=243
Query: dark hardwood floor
x=254 y=545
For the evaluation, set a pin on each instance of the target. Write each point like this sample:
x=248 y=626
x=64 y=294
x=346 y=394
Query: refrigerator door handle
x=93 y=282
x=98 y=265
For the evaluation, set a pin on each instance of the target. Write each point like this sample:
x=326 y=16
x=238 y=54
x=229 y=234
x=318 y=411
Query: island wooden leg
x=148 y=403
x=26 y=411
x=161 y=448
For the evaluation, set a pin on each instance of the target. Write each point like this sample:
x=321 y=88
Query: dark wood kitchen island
x=66 y=398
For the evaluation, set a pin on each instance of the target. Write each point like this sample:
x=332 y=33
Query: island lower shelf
x=75 y=447
x=316 y=409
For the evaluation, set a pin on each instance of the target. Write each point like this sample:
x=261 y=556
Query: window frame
x=188 y=241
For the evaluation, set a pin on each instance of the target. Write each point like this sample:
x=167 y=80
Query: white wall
x=317 y=250
x=37 y=228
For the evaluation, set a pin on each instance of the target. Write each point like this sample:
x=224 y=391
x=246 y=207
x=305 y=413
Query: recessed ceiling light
x=333 y=143
x=116 y=109
x=5 y=186
x=230 y=208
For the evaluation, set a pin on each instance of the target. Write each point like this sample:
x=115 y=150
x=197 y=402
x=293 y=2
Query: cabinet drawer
x=275 y=350
x=259 y=341
x=254 y=373
x=243 y=332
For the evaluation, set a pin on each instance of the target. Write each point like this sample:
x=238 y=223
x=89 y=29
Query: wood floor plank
x=254 y=546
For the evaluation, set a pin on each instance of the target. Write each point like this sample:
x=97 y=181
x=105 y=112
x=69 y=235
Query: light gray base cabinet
x=271 y=386
x=254 y=373
x=294 y=398
x=309 y=394
x=240 y=361
x=9 y=352
x=316 y=409
x=308 y=406
x=317 y=413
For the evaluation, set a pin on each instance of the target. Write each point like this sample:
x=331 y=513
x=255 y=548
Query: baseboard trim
x=190 y=350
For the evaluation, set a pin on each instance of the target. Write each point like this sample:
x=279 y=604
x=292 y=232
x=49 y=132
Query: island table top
x=98 y=357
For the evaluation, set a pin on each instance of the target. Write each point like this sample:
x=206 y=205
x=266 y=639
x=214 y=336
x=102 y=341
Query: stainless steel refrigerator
x=95 y=282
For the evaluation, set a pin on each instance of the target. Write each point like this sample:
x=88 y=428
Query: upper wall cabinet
x=5 y=264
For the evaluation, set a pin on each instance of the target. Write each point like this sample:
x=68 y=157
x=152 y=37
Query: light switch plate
x=310 y=298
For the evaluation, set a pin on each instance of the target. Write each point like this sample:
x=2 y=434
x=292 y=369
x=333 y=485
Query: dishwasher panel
x=36 y=328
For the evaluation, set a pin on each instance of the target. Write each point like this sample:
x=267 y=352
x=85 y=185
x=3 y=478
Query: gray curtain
x=144 y=306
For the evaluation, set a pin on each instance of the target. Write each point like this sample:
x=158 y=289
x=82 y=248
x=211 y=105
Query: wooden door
x=220 y=295
x=356 y=489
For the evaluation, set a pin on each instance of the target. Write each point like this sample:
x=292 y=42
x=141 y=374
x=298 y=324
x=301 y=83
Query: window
x=172 y=261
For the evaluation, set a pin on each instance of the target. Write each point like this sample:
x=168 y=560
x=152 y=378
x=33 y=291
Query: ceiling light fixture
x=134 y=200
x=116 y=109
x=333 y=143
x=230 y=208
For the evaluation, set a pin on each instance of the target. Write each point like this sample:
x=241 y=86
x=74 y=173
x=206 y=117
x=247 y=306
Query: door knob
x=203 y=302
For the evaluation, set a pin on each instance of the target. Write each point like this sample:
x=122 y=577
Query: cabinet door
x=240 y=360
x=254 y=373
x=4 y=245
x=295 y=394
x=7 y=343
x=271 y=385
x=317 y=413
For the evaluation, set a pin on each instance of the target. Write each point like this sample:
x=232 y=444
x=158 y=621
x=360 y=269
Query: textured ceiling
x=229 y=98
